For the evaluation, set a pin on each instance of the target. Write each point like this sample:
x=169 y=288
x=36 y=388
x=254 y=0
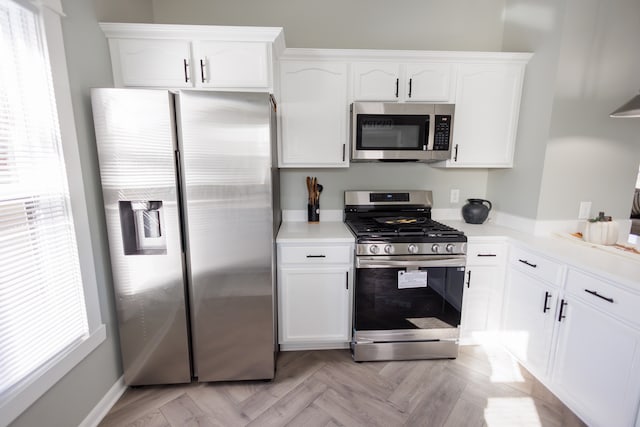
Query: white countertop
x=621 y=268
x=321 y=232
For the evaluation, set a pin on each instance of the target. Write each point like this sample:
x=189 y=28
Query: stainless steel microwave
x=388 y=131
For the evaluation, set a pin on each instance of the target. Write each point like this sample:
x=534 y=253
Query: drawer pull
x=563 y=304
x=469 y=279
x=487 y=255
x=596 y=294
x=186 y=70
x=316 y=256
x=524 y=261
x=547 y=295
x=347 y=282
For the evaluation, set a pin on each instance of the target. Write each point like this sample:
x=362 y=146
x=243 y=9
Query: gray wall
x=72 y=398
x=590 y=156
x=377 y=24
x=568 y=149
x=530 y=26
x=124 y=10
x=374 y=24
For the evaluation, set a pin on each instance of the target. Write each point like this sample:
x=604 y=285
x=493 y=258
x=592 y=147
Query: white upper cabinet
x=233 y=64
x=152 y=63
x=193 y=56
x=486 y=118
x=313 y=113
x=411 y=82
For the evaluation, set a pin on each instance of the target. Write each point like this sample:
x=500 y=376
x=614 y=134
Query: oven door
x=410 y=298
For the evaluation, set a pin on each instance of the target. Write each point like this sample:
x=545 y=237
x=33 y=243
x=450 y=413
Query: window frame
x=40 y=381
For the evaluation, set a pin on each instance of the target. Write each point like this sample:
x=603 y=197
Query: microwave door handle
x=429 y=130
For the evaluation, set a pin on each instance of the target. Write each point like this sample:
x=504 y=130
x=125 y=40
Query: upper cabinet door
x=376 y=81
x=224 y=64
x=427 y=82
x=486 y=117
x=313 y=110
x=152 y=63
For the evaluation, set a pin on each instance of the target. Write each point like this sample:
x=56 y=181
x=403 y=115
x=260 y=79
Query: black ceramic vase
x=476 y=211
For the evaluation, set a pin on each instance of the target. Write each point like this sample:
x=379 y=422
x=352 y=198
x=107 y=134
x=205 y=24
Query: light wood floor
x=482 y=387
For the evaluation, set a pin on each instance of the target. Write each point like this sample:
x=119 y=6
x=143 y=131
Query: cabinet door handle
x=596 y=294
x=524 y=261
x=202 y=70
x=563 y=304
x=397 y=86
x=344 y=151
x=186 y=70
x=316 y=256
x=410 y=83
x=487 y=255
x=469 y=279
x=547 y=295
x=347 y=281
x=455 y=155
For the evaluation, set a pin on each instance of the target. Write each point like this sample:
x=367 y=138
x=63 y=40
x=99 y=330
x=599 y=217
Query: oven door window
x=381 y=304
x=392 y=132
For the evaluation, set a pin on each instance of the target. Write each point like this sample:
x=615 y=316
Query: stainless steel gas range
x=409 y=277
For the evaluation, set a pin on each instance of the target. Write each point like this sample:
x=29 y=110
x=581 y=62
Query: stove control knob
x=388 y=249
x=412 y=249
x=374 y=249
x=435 y=248
x=450 y=247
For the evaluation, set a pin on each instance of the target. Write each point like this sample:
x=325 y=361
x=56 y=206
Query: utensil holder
x=313 y=212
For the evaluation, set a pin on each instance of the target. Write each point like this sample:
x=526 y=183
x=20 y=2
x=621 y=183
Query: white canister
x=601 y=232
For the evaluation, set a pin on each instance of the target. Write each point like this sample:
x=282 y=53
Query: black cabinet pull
x=397 y=86
x=563 y=304
x=410 y=82
x=202 y=70
x=596 y=294
x=455 y=156
x=547 y=295
x=316 y=256
x=347 y=282
x=487 y=255
x=524 y=261
x=468 y=278
x=344 y=151
x=186 y=70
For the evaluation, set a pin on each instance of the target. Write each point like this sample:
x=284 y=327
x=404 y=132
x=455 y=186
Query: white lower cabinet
x=314 y=296
x=597 y=360
x=483 y=289
x=314 y=305
x=528 y=320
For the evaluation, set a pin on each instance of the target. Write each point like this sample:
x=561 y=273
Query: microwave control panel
x=442 y=132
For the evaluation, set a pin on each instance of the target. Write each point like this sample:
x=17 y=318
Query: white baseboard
x=106 y=403
x=314 y=346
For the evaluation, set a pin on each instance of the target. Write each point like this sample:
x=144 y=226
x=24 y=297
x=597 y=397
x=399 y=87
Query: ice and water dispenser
x=143 y=231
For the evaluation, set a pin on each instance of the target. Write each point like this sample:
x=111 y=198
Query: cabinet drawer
x=535 y=265
x=315 y=254
x=485 y=253
x=602 y=294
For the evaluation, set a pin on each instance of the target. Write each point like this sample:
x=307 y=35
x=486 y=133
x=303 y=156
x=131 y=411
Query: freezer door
x=135 y=134
x=225 y=149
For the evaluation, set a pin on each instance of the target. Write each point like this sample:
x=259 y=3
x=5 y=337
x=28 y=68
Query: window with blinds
x=42 y=306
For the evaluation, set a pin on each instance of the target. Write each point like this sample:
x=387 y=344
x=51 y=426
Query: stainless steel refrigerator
x=190 y=186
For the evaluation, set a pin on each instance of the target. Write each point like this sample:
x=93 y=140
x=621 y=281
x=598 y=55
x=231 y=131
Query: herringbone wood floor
x=482 y=387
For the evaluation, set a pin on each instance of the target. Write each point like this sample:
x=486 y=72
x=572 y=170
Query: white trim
x=519 y=223
x=38 y=383
x=190 y=32
x=315 y=346
x=446 y=214
x=328 y=215
x=106 y=403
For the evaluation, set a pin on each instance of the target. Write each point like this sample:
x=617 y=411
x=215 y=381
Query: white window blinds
x=42 y=307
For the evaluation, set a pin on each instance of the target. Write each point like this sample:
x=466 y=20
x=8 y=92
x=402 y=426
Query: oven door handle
x=410 y=262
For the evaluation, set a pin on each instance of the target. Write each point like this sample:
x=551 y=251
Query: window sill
x=15 y=401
